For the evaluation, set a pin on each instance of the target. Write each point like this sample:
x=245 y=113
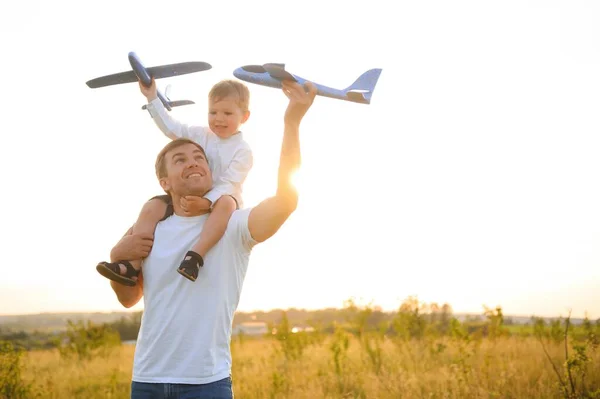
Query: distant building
x=251 y=328
x=297 y=329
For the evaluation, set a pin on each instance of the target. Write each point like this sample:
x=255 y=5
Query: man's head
x=228 y=107
x=182 y=169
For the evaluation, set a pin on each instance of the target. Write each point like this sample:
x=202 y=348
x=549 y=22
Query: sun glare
x=296 y=179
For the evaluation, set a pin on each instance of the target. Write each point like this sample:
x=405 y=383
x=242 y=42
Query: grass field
x=344 y=366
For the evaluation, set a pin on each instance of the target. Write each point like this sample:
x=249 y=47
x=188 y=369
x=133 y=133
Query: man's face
x=187 y=172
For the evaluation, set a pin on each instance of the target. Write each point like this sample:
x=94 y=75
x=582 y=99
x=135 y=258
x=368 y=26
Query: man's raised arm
x=268 y=216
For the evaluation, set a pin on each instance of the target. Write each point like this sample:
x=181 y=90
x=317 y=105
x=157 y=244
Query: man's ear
x=164 y=183
x=246 y=116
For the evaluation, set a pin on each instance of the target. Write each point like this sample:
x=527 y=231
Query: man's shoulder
x=238 y=230
x=239 y=216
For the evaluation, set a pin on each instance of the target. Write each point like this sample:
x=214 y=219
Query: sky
x=472 y=178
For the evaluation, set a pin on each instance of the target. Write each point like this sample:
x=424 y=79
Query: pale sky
x=473 y=177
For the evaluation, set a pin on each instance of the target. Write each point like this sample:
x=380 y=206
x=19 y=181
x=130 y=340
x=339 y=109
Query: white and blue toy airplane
x=272 y=75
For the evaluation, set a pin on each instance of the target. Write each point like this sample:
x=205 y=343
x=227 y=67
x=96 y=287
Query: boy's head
x=228 y=103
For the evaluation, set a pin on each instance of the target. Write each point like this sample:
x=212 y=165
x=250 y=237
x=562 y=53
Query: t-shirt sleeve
x=238 y=232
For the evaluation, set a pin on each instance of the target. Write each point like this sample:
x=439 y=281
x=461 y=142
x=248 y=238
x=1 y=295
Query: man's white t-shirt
x=186 y=326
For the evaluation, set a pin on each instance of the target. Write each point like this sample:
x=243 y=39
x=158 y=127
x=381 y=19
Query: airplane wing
x=158 y=72
x=167 y=71
x=277 y=71
x=273 y=64
x=114 y=79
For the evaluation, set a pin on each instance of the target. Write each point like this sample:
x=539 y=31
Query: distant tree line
x=412 y=320
x=126 y=328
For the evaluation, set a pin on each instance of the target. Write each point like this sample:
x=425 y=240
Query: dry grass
x=504 y=368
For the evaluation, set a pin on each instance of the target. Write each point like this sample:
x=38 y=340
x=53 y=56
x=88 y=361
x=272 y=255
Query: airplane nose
x=238 y=73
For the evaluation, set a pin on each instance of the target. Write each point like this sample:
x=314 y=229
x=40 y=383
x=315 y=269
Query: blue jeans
x=221 y=389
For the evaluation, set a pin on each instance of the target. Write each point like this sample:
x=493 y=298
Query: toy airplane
x=273 y=74
x=145 y=75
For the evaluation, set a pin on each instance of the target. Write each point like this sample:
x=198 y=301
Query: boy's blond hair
x=231 y=88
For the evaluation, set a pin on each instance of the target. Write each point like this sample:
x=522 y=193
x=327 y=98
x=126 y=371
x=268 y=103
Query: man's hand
x=149 y=92
x=193 y=205
x=301 y=98
x=132 y=247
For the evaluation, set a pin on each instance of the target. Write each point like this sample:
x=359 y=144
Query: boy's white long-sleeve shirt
x=229 y=159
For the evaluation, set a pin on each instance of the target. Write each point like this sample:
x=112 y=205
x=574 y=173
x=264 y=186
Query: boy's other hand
x=193 y=205
x=149 y=92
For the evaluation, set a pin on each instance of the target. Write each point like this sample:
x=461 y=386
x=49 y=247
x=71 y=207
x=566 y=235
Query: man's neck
x=180 y=212
x=178 y=209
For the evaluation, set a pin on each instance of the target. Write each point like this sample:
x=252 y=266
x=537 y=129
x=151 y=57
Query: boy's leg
x=213 y=230
x=126 y=271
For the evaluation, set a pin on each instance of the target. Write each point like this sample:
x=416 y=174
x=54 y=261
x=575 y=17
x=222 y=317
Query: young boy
x=229 y=158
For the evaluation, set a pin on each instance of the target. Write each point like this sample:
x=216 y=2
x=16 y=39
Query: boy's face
x=225 y=116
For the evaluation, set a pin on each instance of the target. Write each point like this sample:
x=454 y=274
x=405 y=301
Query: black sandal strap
x=189 y=268
x=112 y=271
x=116 y=268
x=130 y=272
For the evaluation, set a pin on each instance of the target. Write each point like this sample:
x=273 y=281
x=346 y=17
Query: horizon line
x=290 y=309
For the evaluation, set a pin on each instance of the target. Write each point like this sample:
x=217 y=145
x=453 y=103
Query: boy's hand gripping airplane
x=145 y=75
x=273 y=74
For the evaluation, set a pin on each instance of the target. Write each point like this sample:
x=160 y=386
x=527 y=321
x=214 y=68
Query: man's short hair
x=161 y=165
x=231 y=88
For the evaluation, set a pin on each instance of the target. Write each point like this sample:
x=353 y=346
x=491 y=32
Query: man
x=183 y=345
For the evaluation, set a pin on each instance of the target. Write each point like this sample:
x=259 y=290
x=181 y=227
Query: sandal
x=112 y=271
x=189 y=268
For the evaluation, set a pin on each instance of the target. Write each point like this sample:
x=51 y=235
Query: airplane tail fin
x=177 y=103
x=362 y=89
x=164 y=98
